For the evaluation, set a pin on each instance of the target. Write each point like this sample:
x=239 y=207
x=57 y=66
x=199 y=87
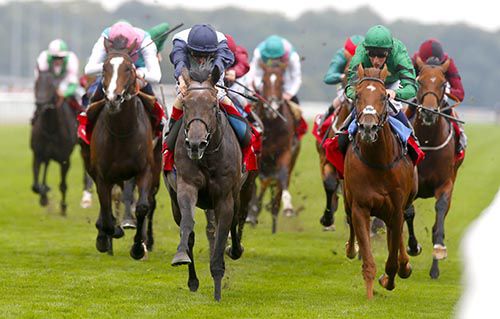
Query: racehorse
x=379 y=180
x=280 y=145
x=53 y=135
x=329 y=175
x=208 y=175
x=122 y=147
x=438 y=171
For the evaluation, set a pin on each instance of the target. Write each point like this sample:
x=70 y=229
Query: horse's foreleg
x=350 y=247
x=286 y=197
x=36 y=173
x=443 y=196
x=187 y=196
x=256 y=203
x=330 y=185
x=86 y=200
x=210 y=229
x=142 y=209
x=63 y=187
x=276 y=193
x=414 y=248
x=236 y=249
x=391 y=264
x=150 y=238
x=105 y=223
x=361 y=223
x=129 y=221
x=193 y=282
x=224 y=210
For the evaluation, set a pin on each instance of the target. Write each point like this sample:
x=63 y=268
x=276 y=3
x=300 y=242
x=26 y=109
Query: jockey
x=159 y=36
x=197 y=45
x=379 y=48
x=146 y=62
x=63 y=64
x=276 y=48
x=431 y=51
x=337 y=70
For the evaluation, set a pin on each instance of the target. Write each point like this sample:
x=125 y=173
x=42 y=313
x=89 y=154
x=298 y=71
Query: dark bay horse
x=53 y=135
x=438 y=171
x=329 y=175
x=208 y=175
x=379 y=180
x=280 y=145
x=122 y=147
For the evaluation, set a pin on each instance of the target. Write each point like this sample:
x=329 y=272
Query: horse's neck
x=127 y=118
x=384 y=150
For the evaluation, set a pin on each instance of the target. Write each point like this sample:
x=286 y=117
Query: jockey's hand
x=230 y=76
x=286 y=96
x=391 y=94
x=140 y=78
x=182 y=86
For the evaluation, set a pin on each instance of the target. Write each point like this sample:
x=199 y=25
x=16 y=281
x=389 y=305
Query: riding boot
x=462 y=140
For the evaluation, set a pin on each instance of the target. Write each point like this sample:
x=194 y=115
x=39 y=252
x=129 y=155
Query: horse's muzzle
x=196 y=149
x=369 y=132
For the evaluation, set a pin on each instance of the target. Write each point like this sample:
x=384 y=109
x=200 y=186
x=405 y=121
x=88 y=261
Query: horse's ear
x=185 y=76
x=131 y=48
x=215 y=76
x=108 y=44
x=445 y=65
x=361 y=71
x=384 y=73
x=420 y=63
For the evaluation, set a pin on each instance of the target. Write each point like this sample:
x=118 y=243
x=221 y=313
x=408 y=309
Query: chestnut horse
x=280 y=145
x=53 y=136
x=438 y=171
x=208 y=175
x=122 y=147
x=329 y=175
x=379 y=180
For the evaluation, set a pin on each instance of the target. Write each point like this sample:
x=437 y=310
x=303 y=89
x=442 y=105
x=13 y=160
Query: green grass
x=50 y=268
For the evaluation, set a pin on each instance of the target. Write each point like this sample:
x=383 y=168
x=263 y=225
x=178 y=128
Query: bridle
x=210 y=131
x=126 y=95
x=369 y=110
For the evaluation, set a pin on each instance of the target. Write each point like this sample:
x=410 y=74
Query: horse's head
x=432 y=85
x=200 y=108
x=272 y=81
x=371 y=102
x=45 y=90
x=119 y=77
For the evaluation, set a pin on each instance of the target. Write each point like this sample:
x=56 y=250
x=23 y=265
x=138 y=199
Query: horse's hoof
x=86 y=201
x=44 y=200
x=252 y=221
x=138 y=251
x=103 y=243
x=64 y=207
x=329 y=228
x=406 y=272
x=413 y=252
x=434 y=272
x=128 y=224
x=351 y=252
x=193 y=284
x=439 y=252
x=181 y=258
x=289 y=212
x=119 y=233
x=384 y=282
x=237 y=255
x=327 y=219
x=35 y=189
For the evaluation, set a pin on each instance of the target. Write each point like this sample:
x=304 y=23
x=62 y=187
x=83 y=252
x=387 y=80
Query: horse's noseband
x=206 y=139
x=370 y=110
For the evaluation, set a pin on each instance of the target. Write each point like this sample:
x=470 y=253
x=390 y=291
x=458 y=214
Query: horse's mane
x=201 y=72
x=434 y=61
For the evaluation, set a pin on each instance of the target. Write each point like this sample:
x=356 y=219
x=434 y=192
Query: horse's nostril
x=203 y=145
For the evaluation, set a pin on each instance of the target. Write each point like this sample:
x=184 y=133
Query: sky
x=479 y=13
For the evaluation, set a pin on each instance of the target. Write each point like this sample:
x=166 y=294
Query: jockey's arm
x=405 y=73
x=256 y=73
x=151 y=72
x=42 y=63
x=455 y=81
x=69 y=84
x=178 y=56
x=292 y=86
x=336 y=68
x=224 y=58
x=96 y=60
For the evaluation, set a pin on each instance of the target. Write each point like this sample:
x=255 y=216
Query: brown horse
x=329 y=175
x=53 y=135
x=438 y=171
x=208 y=175
x=379 y=180
x=280 y=145
x=122 y=147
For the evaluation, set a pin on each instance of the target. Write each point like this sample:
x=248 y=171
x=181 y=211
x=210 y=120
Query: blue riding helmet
x=273 y=48
x=202 y=38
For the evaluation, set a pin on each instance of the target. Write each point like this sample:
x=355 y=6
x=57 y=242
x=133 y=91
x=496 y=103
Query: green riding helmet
x=273 y=47
x=378 y=37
